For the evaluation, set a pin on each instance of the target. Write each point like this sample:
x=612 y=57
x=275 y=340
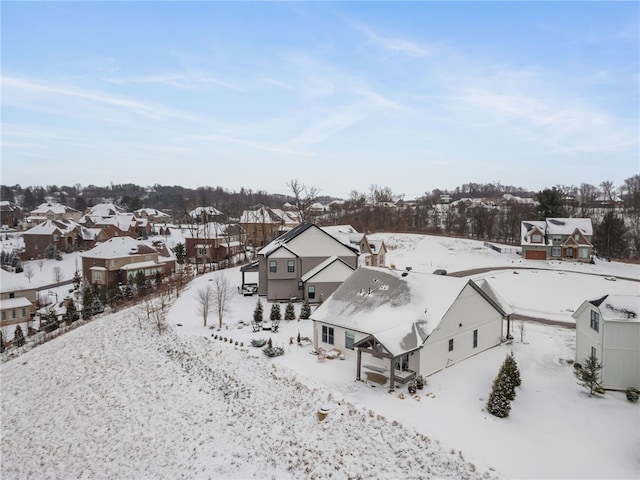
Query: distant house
x=372 y=252
x=214 y=242
x=17 y=304
x=10 y=213
x=305 y=262
x=557 y=239
x=206 y=215
x=50 y=211
x=403 y=323
x=608 y=328
x=119 y=259
x=62 y=234
x=153 y=216
x=265 y=224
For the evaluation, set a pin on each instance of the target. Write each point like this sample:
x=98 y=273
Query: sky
x=338 y=95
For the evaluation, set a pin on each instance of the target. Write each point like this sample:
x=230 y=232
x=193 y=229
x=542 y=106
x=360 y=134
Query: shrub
x=275 y=312
x=632 y=394
x=273 y=351
x=258 y=342
x=289 y=313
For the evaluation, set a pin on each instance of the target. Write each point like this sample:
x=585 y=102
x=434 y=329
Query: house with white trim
x=405 y=323
x=121 y=258
x=17 y=304
x=557 y=239
x=608 y=328
x=372 y=252
x=301 y=264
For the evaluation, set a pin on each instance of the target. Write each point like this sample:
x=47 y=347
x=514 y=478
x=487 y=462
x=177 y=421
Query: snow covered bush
x=305 y=311
x=18 y=337
x=632 y=394
x=273 y=351
x=289 y=312
x=275 y=312
x=499 y=403
x=257 y=312
x=258 y=342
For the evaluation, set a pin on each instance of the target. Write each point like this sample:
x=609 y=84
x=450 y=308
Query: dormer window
x=576 y=237
x=536 y=238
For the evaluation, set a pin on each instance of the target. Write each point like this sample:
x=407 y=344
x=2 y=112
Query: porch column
x=392 y=373
x=358 y=364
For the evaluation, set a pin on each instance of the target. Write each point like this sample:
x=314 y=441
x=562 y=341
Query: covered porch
x=382 y=365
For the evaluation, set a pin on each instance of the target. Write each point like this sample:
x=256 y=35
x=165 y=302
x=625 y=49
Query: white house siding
x=339 y=338
x=469 y=312
x=621 y=359
x=587 y=337
x=317 y=243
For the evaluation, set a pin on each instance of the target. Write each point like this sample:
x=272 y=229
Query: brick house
x=557 y=239
x=121 y=258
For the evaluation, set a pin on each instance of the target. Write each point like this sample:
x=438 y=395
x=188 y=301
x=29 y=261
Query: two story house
x=265 y=224
x=372 y=252
x=305 y=262
x=17 y=304
x=557 y=239
x=213 y=242
x=119 y=259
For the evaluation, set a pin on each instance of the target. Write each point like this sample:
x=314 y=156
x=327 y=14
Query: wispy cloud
x=170 y=79
x=276 y=83
x=393 y=45
x=29 y=93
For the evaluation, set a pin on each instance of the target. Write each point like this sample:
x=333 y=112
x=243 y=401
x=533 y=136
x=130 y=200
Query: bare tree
x=205 y=297
x=29 y=272
x=57 y=274
x=303 y=197
x=40 y=263
x=221 y=294
x=608 y=190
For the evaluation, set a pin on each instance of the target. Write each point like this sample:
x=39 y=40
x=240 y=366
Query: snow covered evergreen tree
x=499 y=404
x=275 y=312
x=305 y=312
x=257 y=312
x=18 y=337
x=289 y=313
x=512 y=369
x=589 y=374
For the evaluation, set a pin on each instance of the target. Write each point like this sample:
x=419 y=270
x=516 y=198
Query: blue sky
x=341 y=96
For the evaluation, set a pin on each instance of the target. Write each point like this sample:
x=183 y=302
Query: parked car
x=440 y=271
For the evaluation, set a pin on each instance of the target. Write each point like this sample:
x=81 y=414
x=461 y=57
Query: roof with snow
x=151 y=212
x=49 y=227
x=199 y=211
x=399 y=308
x=554 y=226
x=118 y=247
x=56 y=208
x=11 y=282
x=619 y=307
x=104 y=210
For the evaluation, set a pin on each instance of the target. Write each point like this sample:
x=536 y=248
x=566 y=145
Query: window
x=12 y=295
x=595 y=320
x=556 y=251
x=273 y=266
x=402 y=363
x=451 y=344
x=576 y=237
x=570 y=252
x=23 y=313
x=583 y=252
x=4 y=316
x=593 y=352
x=536 y=238
x=349 y=340
x=312 y=292
x=97 y=275
x=13 y=313
x=475 y=338
x=291 y=266
x=327 y=335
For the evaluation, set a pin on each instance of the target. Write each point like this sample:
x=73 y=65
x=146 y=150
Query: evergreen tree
x=511 y=367
x=1 y=341
x=257 y=312
x=50 y=251
x=76 y=280
x=610 y=236
x=589 y=374
x=305 y=311
x=275 y=312
x=507 y=379
x=551 y=204
x=71 y=315
x=178 y=250
x=18 y=337
x=97 y=306
x=289 y=313
x=499 y=404
x=87 y=302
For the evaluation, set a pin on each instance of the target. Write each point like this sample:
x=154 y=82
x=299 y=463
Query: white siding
x=469 y=312
x=282 y=253
x=336 y=272
x=313 y=242
x=621 y=360
x=586 y=337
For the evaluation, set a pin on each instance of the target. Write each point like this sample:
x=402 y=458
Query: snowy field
x=110 y=400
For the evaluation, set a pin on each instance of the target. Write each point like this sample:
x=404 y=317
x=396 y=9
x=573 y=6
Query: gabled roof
x=393 y=305
x=199 y=211
x=56 y=208
x=566 y=226
x=49 y=227
x=320 y=267
x=293 y=233
x=118 y=247
x=618 y=307
x=151 y=212
x=104 y=210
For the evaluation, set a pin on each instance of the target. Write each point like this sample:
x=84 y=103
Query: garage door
x=536 y=254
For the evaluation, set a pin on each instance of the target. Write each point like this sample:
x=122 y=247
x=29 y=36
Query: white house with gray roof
x=608 y=328
x=405 y=323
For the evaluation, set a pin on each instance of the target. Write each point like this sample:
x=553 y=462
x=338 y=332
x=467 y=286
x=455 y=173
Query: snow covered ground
x=109 y=400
